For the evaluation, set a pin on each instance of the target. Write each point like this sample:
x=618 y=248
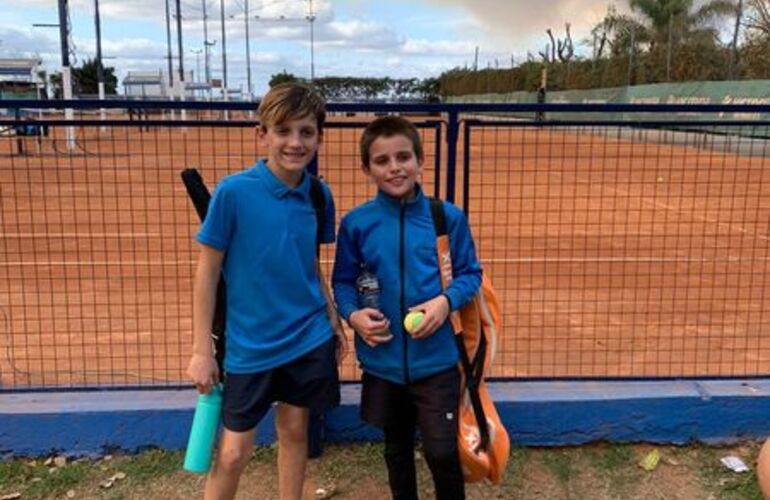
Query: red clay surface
x=611 y=257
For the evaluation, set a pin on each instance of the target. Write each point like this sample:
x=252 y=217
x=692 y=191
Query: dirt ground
x=600 y=471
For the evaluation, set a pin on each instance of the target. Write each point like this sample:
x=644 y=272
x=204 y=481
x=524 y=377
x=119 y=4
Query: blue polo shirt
x=275 y=309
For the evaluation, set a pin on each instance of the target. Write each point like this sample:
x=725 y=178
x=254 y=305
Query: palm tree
x=669 y=21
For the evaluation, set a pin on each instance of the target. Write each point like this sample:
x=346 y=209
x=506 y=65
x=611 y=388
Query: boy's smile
x=290 y=147
x=394 y=166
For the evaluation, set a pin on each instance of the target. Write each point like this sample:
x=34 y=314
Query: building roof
x=143 y=78
x=19 y=67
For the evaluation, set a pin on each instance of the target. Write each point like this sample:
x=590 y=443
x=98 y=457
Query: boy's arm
x=369 y=324
x=202 y=368
x=346 y=269
x=466 y=277
x=334 y=319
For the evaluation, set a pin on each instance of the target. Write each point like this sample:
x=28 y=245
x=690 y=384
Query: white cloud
x=460 y=48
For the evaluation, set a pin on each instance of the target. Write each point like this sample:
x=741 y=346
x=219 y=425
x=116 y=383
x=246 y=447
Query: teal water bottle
x=203 y=434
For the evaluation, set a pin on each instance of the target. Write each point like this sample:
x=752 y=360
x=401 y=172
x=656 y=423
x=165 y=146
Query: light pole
x=197 y=53
x=181 y=56
x=248 y=53
x=206 y=41
x=66 y=75
x=224 y=49
x=311 y=20
x=168 y=47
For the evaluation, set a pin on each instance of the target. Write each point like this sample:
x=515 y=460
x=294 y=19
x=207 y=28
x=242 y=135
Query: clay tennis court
x=613 y=255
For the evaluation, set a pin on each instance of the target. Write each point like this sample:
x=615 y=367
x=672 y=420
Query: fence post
x=453 y=126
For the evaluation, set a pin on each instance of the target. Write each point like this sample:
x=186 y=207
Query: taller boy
x=282 y=328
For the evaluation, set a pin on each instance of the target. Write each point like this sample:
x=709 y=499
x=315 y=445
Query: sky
x=396 y=38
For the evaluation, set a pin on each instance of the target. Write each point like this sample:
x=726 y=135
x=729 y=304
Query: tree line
x=662 y=41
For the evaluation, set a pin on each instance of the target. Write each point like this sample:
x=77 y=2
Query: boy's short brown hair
x=291 y=100
x=388 y=126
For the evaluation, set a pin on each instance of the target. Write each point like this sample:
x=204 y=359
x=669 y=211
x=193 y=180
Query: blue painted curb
x=535 y=414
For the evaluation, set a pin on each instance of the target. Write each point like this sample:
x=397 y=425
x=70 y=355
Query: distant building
x=145 y=84
x=22 y=79
x=153 y=85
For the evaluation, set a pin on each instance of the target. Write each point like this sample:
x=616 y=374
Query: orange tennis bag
x=483 y=442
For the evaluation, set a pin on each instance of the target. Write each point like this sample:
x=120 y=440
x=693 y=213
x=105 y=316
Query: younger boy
x=409 y=381
x=282 y=330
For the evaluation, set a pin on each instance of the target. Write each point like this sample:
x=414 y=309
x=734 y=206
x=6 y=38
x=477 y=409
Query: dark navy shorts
x=431 y=402
x=310 y=381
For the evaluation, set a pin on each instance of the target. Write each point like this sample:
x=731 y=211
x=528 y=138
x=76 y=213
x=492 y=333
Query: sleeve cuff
x=345 y=311
x=449 y=300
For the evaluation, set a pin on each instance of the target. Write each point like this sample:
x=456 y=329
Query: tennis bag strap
x=201 y=197
x=318 y=200
x=473 y=368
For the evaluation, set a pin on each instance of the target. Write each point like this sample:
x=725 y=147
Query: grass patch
x=559 y=462
x=601 y=471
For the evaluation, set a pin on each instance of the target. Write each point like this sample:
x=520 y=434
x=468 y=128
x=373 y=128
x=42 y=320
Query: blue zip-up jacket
x=396 y=240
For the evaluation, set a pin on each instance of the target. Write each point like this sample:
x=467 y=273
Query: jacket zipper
x=403 y=291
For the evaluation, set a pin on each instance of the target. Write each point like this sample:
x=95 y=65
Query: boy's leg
x=232 y=456
x=388 y=406
x=763 y=469
x=399 y=457
x=437 y=399
x=291 y=426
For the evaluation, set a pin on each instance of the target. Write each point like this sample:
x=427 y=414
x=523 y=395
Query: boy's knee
x=292 y=431
x=232 y=460
x=441 y=453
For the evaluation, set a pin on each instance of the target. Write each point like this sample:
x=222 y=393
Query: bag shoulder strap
x=439 y=216
x=471 y=367
x=318 y=199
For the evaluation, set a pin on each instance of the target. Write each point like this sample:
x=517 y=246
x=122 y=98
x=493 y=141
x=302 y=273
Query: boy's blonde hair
x=388 y=126
x=289 y=101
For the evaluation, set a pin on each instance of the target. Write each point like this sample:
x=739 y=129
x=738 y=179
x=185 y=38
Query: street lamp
x=197 y=53
x=311 y=20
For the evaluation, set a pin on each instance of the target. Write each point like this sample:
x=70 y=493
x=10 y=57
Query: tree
x=56 y=85
x=758 y=16
x=282 y=77
x=673 y=22
x=85 y=80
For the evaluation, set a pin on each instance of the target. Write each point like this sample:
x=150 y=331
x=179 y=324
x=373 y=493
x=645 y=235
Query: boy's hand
x=203 y=372
x=436 y=311
x=371 y=325
x=342 y=343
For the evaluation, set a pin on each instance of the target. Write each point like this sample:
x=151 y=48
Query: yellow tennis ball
x=413 y=320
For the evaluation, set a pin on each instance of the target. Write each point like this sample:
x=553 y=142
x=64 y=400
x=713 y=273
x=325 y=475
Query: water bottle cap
x=215 y=396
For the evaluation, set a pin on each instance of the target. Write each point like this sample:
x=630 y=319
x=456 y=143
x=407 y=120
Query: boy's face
x=394 y=166
x=290 y=146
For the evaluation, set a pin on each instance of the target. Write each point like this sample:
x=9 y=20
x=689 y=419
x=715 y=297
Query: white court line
x=527 y=260
x=112 y=263
x=653 y=201
x=80 y=235
x=520 y=260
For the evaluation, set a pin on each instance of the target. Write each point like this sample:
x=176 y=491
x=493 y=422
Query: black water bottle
x=369 y=293
x=368 y=289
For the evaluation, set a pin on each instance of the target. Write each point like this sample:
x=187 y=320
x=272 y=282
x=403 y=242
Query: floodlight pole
x=311 y=19
x=181 y=55
x=224 y=48
x=66 y=74
x=206 y=42
x=99 y=65
x=225 y=96
x=168 y=47
x=248 y=52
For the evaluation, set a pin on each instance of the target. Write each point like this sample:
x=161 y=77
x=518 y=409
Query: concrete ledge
x=535 y=413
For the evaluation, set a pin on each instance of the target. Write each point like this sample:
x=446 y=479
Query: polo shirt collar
x=276 y=186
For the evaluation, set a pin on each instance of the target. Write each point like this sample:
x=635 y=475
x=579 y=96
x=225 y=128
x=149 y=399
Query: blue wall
x=535 y=413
